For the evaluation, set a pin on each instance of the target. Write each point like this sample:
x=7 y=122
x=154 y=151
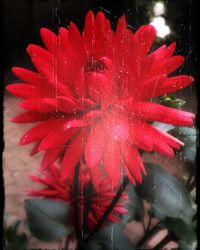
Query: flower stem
x=110 y=208
x=66 y=243
x=89 y=193
x=190 y=184
x=143 y=225
x=163 y=242
x=149 y=223
x=76 y=196
x=147 y=235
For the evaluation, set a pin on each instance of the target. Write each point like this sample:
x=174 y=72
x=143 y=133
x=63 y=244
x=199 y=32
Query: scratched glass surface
x=173 y=21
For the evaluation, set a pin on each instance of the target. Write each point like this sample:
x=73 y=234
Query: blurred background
x=173 y=20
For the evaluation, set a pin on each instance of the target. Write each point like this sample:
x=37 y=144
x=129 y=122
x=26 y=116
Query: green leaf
x=185 y=246
x=135 y=205
x=171 y=101
x=154 y=213
x=112 y=238
x=19 y=242
x=5 y=218
x=185 y=134
x=11 y=232
x=180 y=229
x=188 y=136
x=26 y=225
x=166 y=194
x=47 y=219
x=93 y=246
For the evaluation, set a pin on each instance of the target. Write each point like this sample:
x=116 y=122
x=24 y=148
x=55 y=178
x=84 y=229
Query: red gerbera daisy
x=91 y=98
x=57 y=188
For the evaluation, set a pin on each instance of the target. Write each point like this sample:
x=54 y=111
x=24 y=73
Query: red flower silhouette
x=91 y=96
x=57 y=188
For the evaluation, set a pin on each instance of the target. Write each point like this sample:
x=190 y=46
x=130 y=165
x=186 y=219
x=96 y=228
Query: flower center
x=93 y=65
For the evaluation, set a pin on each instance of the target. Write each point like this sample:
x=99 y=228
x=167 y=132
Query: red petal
x=44 y=181
x=144 y=36
x=147 y=88
x=155 y=112
x=112 y=162
x=37 y=105
x=73 y=155
x=104 y=44
x=164 y=52
x=85 y=104
x=169 y=50
x=140 y=45
x=26 y=75
x=158 y=52
x=120 y=210
x=141 y=135
x=89 y=32
x=129 y=175
x=162 y=148
x=122 y=44
x=95 y=146
x=63 y=38
x=173 y=63
x=39 y=131
x=66 y=67
x=23 y=91
x=49 y=72
x=41 y=83
x=58 y=137
x=76 y=123
x=133 y=161
x=76 y=41
x=79 y=84
x=51 y=156
x=91 y=220
x=49 y=39
x=92 y=115
x=37 y=51
x=173 y=84
x=160 y=143
x=35 y=150
x=166 y=66
x=55 y=173
x=99 y=86
x=83 y=121
x=30 y=117
x=44 y=192
x=61 y=104
x=169 y=139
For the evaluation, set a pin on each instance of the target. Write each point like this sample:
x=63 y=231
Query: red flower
x=57 y=188
x=91 y=96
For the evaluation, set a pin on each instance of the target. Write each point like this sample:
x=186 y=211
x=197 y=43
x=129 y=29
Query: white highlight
x=159 y=9
x=162 y=29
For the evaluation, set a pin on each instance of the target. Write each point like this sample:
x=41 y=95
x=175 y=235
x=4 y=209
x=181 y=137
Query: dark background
x=23 y=20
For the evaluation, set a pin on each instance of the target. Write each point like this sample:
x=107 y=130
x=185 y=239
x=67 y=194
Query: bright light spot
x=158 y=22
x=160 y=26
x=159 y=9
